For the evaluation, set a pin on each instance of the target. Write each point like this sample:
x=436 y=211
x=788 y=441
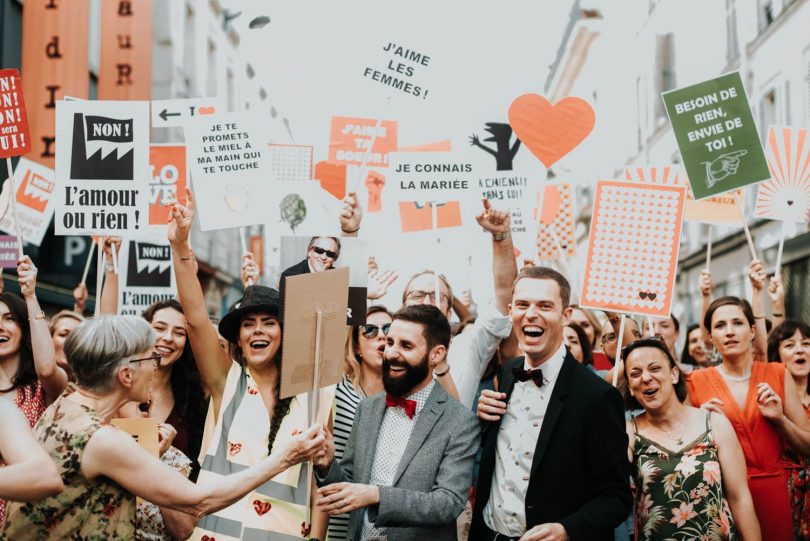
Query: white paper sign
x=102 y=167
x=431 y=176
x=231 y=178
x=35 y=185
x=169 y=113
x=145 y=276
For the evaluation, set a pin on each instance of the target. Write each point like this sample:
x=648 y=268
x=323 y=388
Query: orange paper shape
x=256 y=246
x=332 y=178
x=168 y=181
x=417 y=217
x=551 y=131
x=633 y=247
x=15 y=138
x=786 y=195
x=557 y=215
x=719 y=209
x=375 y=183
x=350 y=137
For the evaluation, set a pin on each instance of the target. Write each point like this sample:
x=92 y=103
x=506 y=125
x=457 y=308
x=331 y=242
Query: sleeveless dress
x=30 y=400
x=276 y=511
x=761 y=443
x=798 y=470
x=88 y=509
x=679 y=495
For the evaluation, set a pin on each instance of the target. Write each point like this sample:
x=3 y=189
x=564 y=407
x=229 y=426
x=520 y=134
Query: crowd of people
x=488 y=423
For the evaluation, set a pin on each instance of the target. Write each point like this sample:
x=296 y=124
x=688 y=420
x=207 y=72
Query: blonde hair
x=64 y=314
x=351 y=364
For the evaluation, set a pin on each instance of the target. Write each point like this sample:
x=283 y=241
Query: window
x=767 y=112
x=211 y=82
x=732 y=43
x=188 y=51
x=664 y=71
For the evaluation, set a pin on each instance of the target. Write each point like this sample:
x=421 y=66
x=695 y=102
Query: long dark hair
x=26 y=372
x=187 y=387
x=584 y=343
x=686 y=357
x=782 y=332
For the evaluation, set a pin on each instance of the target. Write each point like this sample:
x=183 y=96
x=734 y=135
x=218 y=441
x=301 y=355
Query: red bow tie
x=408 y=405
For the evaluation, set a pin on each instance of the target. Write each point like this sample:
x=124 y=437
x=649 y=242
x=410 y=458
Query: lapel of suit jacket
x=555 y=406
x=368 y=441
x=433 y=409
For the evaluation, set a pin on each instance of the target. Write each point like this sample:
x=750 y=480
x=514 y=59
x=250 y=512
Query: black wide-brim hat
x=256 y=299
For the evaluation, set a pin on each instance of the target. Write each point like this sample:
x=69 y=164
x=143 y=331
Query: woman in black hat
x=247 y=414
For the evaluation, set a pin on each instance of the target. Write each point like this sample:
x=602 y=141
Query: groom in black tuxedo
x=554 y=463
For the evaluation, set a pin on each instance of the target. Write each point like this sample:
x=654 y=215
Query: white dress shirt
x=470 y=352
x=505 y=511
x=395 y=431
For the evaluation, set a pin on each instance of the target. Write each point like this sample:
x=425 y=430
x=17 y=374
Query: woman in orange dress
x=761 y=401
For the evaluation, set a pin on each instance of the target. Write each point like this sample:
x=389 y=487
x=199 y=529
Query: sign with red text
x=15 y=139
x=35 y=201
x=351 y=138
x=171 y=113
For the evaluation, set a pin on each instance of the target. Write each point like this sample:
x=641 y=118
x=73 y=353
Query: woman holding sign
x=103 y=468
x=251 y=420
x=762 y=403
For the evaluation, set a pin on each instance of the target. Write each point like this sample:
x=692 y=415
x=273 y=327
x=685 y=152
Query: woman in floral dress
x=689 y=469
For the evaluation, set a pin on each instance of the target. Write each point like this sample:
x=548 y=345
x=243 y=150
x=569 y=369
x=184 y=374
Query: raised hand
x=80 y=296
x=776 y=291
x=351 y=214
x=379 y=282
x=494 y=221
x=250 y=270
x=756 y=273
x=705 y=283
x=180 y=218
x=27 y=276
x=107 y=246
x=769 y=403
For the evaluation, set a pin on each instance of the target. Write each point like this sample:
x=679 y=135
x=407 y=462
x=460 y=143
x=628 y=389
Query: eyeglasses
x=611 y=336
x=320 y=251
x=418 y=295
x=155 y=357
x=371 y=331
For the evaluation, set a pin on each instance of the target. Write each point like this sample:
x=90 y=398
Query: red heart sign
x=234 y=448
x=207 y=538
x=550 y=131
x=261 y=507
x=210 y=110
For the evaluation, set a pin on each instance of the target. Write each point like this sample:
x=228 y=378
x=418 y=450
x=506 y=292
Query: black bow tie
x=535 y=375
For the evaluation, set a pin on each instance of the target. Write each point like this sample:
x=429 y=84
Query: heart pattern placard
x=633 y=247
x=786 y=195
x=549 y=130
x=558 y=216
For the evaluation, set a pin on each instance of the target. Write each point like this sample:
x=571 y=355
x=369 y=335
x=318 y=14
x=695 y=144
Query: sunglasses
x=371 y=331
x=155 y=357
x=329 y=253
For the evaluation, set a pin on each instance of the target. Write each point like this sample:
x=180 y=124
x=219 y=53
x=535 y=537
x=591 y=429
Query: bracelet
x=40 y=315
x=109 y=267
x=355 y=230
x=775 y=314
x=440 y=374
x=500 y=236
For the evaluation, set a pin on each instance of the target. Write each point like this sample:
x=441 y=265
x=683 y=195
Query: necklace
x=676 y=439
x=729 y=377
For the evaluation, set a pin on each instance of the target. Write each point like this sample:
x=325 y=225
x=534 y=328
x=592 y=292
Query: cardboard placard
x=304 y=295
x=718 y=209
x=256 y=247
x=716 y=135
x=35 y=202
x=559 y=216
x=102 y=167
x=171 y=113
x=290 y=162
x=232 y=183
x=144 y=430
x=9 y=252
x=167 y=165
x=350 y=138
x=633 y=247
x=297 y=258
x=145 y=276
x=15 y=138
x=786 y=195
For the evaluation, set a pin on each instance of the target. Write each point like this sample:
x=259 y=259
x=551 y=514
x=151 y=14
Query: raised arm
x=504 y=267
x=706 y=286
x=212 y=361
x=50 y=375
x=29 y=473
x=351 y=215
x=788 y=418
x=756 y=274
x=114 y=454
x=109 y=289
x=776 y=292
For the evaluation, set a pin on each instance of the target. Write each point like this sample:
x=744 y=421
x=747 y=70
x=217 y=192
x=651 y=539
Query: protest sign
x=633 y=247
x=786 y=195
x=515 y=191
x=290 y=162
x=300 y=208
x=424 y=177
x=549 y=130
x=350 y=140
x=145 y=276
x=167 y=166
x=144 y=430
x=716 y=135
x=556 y=222
x=9 y=252
x=399 y=69
x=303 y=255
x=415 y=216
x=171 y=113
x=304 y=296
x=718 y=209
x=35 y=202
x=102 y=167
x=232 y=181
x=15 y=139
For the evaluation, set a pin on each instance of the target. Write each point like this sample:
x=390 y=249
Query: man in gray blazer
x=407 y=468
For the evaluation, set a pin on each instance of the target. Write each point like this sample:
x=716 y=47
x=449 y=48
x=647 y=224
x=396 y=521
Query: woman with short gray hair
x=102 y=467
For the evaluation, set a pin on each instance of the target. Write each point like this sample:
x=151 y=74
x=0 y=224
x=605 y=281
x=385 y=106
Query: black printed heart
x=642 y=294
x=647 y=295
x=790 y=202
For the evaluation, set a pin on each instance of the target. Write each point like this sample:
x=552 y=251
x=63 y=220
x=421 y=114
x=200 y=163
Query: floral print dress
x=88 y=509
x=679 y=495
